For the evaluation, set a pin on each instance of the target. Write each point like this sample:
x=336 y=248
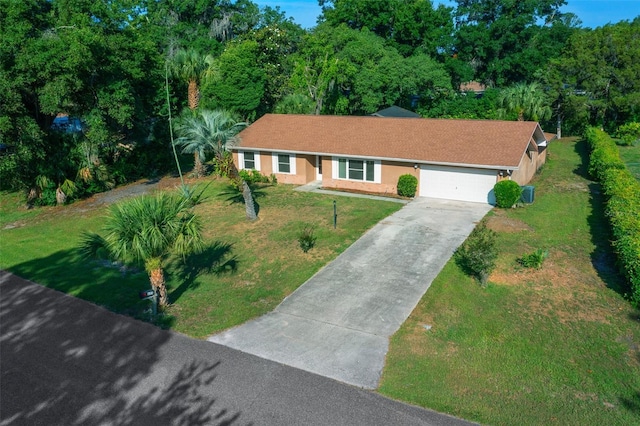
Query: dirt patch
x=557 y=291
x=499 y=222
x=571 y=186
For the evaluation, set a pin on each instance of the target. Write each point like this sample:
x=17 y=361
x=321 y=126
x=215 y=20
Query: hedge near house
x=622 y=193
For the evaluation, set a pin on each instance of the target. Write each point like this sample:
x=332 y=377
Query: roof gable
x=483 y=143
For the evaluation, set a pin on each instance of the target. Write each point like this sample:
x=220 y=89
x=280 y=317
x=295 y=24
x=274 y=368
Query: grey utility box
x=527 y=194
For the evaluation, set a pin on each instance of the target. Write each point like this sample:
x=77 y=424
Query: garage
x=457 y=183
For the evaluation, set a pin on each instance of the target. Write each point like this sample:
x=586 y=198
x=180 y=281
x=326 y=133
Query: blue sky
x=592 y=13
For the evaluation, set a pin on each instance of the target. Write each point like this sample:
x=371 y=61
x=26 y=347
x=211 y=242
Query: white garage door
x=457 y=183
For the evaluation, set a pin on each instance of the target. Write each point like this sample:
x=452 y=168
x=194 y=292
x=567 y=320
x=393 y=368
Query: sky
x=592 y=13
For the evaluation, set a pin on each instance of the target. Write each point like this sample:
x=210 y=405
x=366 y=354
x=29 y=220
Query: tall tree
x=527 y=101
x=598 y=76
x=405 y=24
x=506 y=42
x=148 y=230
x=193 y=68
x=84 y=59
x=239 y=81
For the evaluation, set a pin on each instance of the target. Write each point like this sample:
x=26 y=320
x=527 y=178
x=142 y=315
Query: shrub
x=223 y=165
x=629 y=133
x=533 y=260
x=407 y=185
x=622 y=192
x=477 y=255
x=507 y=192
x=307 y=238
x=253 y=176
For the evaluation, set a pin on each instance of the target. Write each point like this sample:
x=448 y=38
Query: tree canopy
x=102 y=65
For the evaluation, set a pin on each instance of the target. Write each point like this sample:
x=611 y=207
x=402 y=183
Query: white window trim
x=256 y=158
x=377 y=170
x=292 y=163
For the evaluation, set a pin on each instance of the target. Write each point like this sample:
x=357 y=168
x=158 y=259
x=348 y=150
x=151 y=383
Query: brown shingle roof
x=468 y=142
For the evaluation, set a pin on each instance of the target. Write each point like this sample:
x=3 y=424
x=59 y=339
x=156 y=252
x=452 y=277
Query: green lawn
x=552 y=346
x=248 y=269
x=631 y=157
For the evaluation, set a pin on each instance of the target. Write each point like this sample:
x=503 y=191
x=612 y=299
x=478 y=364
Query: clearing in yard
x=558 y=345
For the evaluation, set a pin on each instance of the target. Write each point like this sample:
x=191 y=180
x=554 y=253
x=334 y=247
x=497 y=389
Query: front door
x=318 y=167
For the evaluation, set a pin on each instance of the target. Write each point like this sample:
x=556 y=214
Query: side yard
x=247 y=270
x=631 y=157
x=557 y=345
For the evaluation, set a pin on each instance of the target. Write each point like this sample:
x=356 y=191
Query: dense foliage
x=622 y=191
x=101 y=66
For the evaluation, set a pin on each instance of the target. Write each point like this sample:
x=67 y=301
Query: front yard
x=557 y=345
x=248 y=269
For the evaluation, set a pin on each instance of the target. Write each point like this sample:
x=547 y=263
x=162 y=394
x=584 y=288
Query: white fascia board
x=399 y=160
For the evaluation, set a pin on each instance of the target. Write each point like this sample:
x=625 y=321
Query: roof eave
x=400 y=160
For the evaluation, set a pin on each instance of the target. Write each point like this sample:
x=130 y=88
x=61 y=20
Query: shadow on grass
x=68 y=362
x=632 y=404
x=603 y=257
x=215 y=259
x=100 y=282
x=233 y=194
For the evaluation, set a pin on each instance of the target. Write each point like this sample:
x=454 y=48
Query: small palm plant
x=148 y=230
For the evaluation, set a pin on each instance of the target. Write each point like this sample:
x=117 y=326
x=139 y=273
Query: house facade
x=452 y=159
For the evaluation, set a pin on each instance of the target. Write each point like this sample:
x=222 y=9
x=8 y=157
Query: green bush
x=507 y=192
x=622 y=192
x=253 y=176
x=629 y=133
x=407 y=185
x=477 y=255
x=533 y=260
x=307 y=238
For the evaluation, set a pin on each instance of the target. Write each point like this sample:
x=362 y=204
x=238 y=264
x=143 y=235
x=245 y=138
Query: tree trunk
x=193 y=95
x=156 y=276
x=198 y=167
x=61 y=197
x=249 y=204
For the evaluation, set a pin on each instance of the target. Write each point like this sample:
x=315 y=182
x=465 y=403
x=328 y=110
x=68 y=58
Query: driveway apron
x=338 y=323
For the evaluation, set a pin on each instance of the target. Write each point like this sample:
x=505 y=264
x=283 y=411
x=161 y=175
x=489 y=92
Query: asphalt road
x=64 y=361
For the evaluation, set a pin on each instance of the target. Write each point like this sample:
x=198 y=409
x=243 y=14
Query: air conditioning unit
x=528 y=192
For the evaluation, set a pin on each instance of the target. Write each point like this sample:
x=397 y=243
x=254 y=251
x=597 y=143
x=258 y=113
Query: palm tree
x=148 y=230
x=526 y=100
x=216 y=130
x=207 y=131
x=295 y=103
x=192 y=68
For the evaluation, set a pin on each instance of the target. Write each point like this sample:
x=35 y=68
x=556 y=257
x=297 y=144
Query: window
x=352 y=169
x=284 y=163
x=249 y=161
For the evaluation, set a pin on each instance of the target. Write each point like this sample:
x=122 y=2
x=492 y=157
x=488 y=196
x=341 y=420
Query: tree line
x=106 y=64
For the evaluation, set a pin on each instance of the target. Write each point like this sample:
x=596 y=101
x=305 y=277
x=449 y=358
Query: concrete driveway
x=339 y=322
